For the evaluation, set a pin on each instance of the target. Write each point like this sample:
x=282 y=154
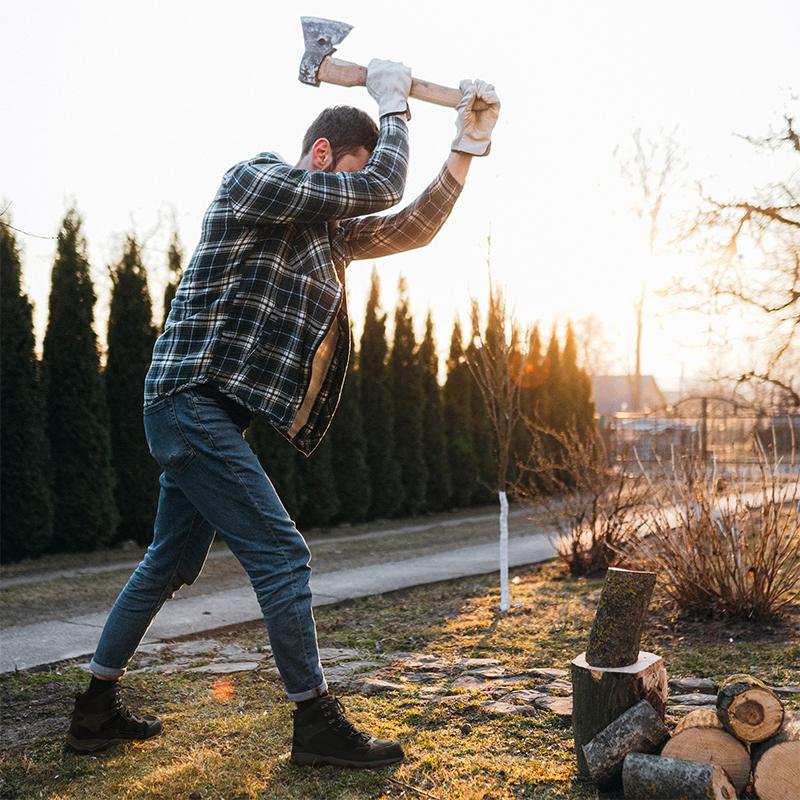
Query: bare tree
x=596 y=349
x=496 y=365
x=589 y=498
x=648 y=169
x=752 y=254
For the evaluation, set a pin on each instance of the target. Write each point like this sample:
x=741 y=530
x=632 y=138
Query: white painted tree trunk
x=505 y=599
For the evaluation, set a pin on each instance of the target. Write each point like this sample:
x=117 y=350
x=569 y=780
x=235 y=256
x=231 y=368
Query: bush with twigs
x=590 y=500
x=724 y=545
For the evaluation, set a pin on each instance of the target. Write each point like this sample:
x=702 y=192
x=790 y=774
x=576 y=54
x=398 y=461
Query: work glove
x=474 y=128
x=389 y=83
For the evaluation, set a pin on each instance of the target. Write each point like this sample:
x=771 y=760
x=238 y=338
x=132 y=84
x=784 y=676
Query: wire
x=19 y=230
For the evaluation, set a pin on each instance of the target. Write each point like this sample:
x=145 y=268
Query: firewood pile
x=748 y=740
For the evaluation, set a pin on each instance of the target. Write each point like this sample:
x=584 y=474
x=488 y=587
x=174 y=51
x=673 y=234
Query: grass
x=229 y=738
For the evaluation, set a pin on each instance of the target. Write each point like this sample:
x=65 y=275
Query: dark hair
x=345 y=127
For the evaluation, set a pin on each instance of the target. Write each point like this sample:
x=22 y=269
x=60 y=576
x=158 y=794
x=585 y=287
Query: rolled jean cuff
x=307 y=695
x=109 y=673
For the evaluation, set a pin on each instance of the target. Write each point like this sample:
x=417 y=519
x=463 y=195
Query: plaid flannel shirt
x=267 y=279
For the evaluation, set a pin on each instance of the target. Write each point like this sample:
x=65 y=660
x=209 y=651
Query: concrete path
x=223 y=552
x=29 y=646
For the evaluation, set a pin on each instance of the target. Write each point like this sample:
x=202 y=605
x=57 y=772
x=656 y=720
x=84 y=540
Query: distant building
x=614 y=394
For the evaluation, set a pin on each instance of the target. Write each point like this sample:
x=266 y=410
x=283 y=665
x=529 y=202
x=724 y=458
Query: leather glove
x=389 y=83
x=474 y=128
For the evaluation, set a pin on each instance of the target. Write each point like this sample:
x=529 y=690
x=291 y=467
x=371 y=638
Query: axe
x=317 y=65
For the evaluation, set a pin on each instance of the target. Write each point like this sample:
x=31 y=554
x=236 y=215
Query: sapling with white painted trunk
x=495 y=363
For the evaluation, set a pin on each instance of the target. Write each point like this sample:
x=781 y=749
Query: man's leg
x=226 y=483
x=181 y=540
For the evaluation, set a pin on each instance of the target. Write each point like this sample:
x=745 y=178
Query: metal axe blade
x=320 y=36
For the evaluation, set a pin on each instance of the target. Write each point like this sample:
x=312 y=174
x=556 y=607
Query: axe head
x=320 y=36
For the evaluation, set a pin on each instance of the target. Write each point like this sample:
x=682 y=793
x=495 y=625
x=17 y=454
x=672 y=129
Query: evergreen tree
x=434 y=447
x=349 y=452
x=406 y=380
x=530 y=395
x=553 y=412
x=387 y=494
x=577 y=388
x=481 y=426
x=457 y=410
x=131 y=336
x=77 y=415
x=26 y=508
x=319 y=501
x=278 y=460
x=175 y=267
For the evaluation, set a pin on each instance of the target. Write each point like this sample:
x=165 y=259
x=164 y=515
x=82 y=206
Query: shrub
x=726 y=544
x=590 y=501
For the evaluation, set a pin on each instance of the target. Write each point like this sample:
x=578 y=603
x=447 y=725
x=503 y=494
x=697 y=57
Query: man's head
x=340 y=139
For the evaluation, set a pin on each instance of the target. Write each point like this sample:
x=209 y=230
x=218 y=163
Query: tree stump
x=700 y=737
x=639 y=730
x=646 y=777
x=776 y=763
x=601 y=694
x=617 y=629
x=749 y=709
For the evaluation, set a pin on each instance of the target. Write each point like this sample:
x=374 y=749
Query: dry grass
x=230 y=740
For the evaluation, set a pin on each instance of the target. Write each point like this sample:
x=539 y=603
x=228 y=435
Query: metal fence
x=710 y=437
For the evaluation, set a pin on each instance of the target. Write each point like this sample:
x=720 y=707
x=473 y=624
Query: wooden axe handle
x=345 y=73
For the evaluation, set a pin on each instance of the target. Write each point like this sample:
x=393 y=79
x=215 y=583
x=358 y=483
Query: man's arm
x=414 y=226
x=417 y=224
x=269 y=192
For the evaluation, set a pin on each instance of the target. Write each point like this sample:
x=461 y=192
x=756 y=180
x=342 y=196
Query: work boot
x=322 y=735
x=102 y=719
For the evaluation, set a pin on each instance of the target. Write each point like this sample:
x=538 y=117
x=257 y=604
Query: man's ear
x=321 y=154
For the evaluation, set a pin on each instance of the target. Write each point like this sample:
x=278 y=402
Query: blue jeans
x=212 y=481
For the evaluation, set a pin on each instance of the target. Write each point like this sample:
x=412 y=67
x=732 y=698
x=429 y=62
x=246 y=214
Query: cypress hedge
x=26 y=507
x=76 y=411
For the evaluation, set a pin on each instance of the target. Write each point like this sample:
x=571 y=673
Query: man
x=259 y=326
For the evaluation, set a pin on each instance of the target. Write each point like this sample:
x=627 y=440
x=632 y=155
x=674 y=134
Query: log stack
x=619 y=700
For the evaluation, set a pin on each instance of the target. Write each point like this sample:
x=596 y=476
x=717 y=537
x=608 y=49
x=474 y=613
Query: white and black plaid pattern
x=267 y=278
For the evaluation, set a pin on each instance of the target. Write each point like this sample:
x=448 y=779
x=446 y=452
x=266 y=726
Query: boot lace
x=122 y=710
x=334 y=713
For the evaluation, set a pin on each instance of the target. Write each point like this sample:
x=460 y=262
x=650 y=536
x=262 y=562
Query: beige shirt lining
x=319 y=368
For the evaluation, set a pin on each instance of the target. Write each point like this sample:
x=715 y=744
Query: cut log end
x=776 y=763
x=617 y=628
x=749 y=709
x=712 y=746
x=647 y=777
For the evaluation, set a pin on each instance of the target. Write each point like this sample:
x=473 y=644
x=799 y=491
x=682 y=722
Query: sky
x=133 y=111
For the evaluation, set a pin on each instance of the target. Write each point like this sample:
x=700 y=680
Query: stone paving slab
x=39 y=644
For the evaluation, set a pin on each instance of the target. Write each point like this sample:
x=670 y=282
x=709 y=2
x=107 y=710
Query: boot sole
x=314 y=759
x=83 y=746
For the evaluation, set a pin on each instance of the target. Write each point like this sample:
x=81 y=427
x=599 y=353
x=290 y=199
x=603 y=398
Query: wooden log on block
x=647 y=777
x=617 y=629
x=640 y=729
x=601 y=694
x=776 y=763
x=700 y=737
x=748 y=708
